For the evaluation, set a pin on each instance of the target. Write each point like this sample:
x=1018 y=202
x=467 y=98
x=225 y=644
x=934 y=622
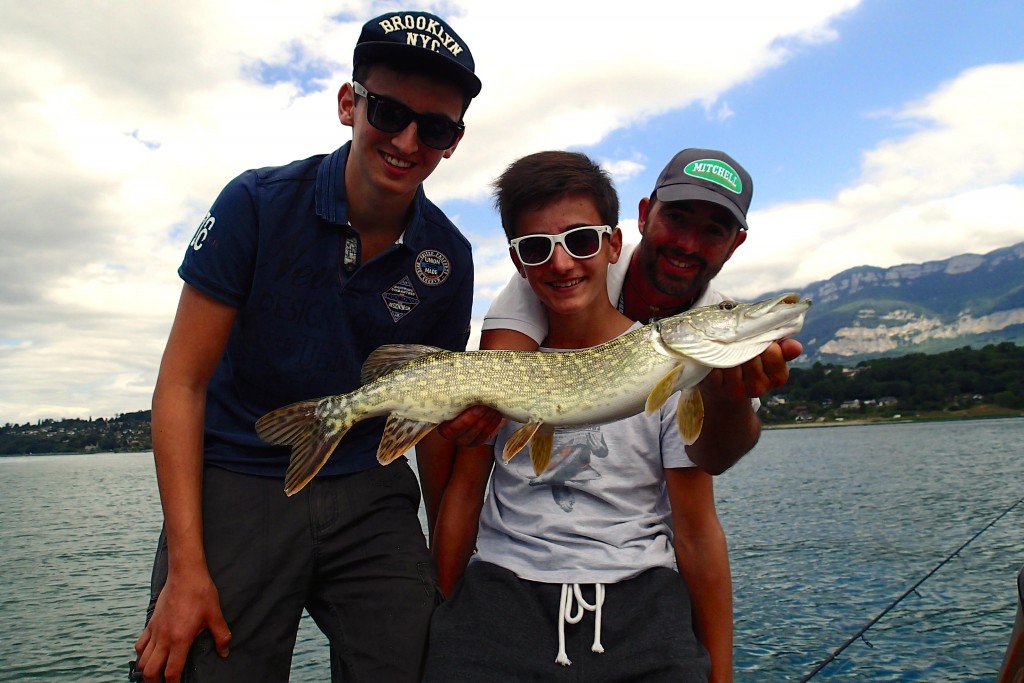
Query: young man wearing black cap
x=296 y=274
x=690 y=226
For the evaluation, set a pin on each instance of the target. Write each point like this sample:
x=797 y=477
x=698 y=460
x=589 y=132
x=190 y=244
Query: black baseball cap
x=710 y=176
x=417 y=36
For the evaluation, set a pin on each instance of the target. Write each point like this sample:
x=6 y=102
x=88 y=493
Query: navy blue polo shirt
x=274 y=247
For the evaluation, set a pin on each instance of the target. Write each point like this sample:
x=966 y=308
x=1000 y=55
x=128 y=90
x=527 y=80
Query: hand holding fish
x=472 y=427
x=757 y=376
x=731 y=426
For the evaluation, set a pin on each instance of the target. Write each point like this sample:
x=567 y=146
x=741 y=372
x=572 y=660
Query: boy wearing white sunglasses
x=577 y=566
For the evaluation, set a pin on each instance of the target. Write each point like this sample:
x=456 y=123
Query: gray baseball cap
x=707 y=175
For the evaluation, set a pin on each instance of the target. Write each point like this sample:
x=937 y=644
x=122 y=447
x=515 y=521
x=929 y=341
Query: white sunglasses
x=581 y=243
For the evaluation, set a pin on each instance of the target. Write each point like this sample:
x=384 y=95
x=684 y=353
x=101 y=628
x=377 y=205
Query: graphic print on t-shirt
x=571 y=462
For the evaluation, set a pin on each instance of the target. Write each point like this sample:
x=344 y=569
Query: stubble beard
x=678 y=287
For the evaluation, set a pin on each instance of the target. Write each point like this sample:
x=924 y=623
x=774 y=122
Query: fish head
x=730 y=333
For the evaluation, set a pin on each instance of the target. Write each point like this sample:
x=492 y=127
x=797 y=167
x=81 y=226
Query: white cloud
x=951 y=185
x=623 y=169
x=120 y=121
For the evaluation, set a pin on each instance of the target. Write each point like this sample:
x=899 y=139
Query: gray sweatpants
x=499 y=628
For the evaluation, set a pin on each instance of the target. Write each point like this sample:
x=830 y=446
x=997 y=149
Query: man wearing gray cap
x=295 y=275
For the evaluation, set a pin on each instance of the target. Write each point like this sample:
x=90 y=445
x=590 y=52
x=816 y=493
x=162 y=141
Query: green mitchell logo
x=717 y=172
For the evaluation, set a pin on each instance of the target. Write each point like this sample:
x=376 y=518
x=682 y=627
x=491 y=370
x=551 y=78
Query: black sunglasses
x=580 y=243
x=433 y=130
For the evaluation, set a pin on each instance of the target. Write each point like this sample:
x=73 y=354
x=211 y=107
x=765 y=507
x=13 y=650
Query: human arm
x=703 y=560
x=731 y=427
x=435 y=453
x=459 y=514
x=1012 y=669
x=189 y=602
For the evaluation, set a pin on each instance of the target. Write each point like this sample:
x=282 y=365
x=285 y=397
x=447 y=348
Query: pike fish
x=418 y=386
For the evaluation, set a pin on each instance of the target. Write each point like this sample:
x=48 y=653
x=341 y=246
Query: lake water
x=827 y=527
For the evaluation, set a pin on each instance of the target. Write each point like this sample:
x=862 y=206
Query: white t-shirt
x=599 y=513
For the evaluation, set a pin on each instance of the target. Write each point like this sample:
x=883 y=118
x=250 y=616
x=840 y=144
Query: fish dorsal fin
x=388 y=357
x=519 y=439
x=541 y=446
x=663 y=389
x=400 y=434
x=690 y=415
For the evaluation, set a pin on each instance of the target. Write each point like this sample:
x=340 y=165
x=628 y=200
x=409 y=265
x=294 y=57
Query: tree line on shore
x=123 y=433
x=884 y=387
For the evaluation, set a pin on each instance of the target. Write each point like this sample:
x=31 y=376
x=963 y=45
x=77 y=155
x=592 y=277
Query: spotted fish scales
x=418 y=386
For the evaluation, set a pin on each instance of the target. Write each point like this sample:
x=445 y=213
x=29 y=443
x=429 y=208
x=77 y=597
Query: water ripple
x=826 y=527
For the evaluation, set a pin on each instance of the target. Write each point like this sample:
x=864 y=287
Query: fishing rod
x=860 y=634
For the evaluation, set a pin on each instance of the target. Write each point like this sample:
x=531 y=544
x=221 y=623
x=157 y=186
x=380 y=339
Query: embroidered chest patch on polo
x=401 y=298
x=432 y=267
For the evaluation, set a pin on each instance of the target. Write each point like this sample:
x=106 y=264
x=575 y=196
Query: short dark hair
x=535 y=180
x=362 y=71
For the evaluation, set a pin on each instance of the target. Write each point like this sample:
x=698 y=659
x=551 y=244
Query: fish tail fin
x=298 y=425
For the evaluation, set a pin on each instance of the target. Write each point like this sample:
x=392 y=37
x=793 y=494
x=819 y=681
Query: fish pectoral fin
x=690 y=415
x=519 y=439
x=297 y=425
x=540 y=448
x=663 y=389
x=400 y=434
x=390 y=356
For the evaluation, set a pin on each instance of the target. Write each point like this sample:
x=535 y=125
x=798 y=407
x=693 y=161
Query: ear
x=451 y=150
x=641 y=221
x=519 y=264
x=346 y=105
x=614 y=245
x=741 y=237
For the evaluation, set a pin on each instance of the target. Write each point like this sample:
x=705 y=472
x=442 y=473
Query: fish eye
x=726 y=305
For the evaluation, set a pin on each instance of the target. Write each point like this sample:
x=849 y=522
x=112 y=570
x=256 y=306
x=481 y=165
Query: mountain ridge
x=869 y=311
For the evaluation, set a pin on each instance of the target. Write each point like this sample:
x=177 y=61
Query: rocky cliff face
x=878 y=335
x=967 y=300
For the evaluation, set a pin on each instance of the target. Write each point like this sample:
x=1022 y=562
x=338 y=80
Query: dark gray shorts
x=499 y=628
x=348 y=549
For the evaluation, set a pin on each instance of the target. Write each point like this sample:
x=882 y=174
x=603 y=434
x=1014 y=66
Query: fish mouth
x=778 y=305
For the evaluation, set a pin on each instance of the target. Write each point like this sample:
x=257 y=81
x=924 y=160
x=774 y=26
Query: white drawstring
x=565 y=615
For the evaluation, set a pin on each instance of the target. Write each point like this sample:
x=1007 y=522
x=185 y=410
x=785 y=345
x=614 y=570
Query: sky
x=877 y=133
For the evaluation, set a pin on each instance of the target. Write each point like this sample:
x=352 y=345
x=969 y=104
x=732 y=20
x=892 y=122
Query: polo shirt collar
x=332 y=203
